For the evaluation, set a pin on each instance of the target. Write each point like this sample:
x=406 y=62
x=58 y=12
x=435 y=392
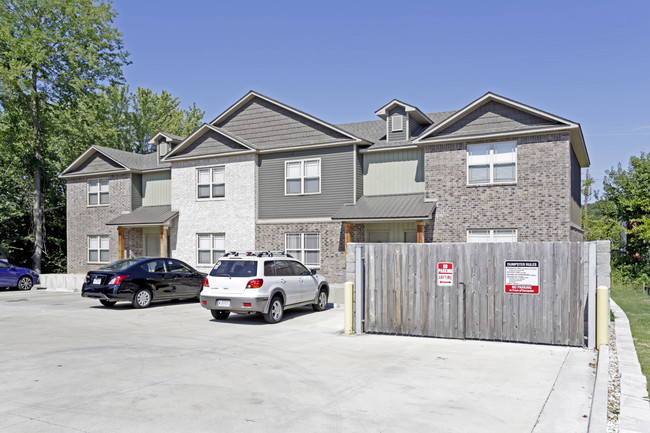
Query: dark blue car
x=15 y=276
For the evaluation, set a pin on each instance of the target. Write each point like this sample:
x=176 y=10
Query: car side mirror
x=313 y=271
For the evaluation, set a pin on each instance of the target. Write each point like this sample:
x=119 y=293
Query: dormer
x=402 y=120
x=165 y=143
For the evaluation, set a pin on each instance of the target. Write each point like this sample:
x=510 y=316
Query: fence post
x=348 y=307
x=602 y=320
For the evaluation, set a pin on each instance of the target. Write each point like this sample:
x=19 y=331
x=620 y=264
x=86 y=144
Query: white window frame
x=214 y=252
x=394 y=125
x=491 y=160
x=491 y=235
x=211 y=183
x=300 y=253
x=99 y=187
x=302 y=177
x=99 y=249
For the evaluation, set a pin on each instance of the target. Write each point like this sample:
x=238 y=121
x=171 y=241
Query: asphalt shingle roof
x=399 y=206
x=145 y=215
x=134 y=161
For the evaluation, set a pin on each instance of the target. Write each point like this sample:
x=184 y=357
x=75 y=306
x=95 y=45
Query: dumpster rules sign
x=445 y=274
x=522 y=276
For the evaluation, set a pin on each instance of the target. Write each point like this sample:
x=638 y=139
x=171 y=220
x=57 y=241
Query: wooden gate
x=402 y=294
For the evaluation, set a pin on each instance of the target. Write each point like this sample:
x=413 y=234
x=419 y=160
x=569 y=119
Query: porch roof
x=145 y=216
x=387 y=207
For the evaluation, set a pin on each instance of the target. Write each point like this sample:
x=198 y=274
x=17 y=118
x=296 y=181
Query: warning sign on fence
x=522 y=276
x=445 y=274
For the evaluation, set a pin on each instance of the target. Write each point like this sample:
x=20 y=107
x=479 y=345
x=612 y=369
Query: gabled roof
x=344 y=136
x=412 y=111
x=435 y=133
x=175 y=139
x=387 y=207
x=246 y=146
x=120 y=162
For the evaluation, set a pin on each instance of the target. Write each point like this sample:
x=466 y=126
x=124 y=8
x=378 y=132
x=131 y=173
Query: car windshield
x=119 y=265
x=234 y=268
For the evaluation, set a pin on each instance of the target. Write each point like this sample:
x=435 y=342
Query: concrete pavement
x=69 y=365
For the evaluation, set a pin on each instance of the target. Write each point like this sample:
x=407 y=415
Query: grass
x=636 y=304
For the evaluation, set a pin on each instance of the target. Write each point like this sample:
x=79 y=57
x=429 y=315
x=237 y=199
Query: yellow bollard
x=348 y=307
x=602 y=316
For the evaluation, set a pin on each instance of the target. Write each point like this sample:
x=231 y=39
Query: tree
x=53 y=54
x=628 y=195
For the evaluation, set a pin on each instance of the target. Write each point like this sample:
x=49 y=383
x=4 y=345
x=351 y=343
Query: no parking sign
x=445 y=274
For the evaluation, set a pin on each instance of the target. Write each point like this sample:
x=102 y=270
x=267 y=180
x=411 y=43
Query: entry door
x=152 y=243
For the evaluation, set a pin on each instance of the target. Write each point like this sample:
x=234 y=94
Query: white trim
x=163 y=134
x=491 y=234
x=211 y=249
x=308 y=147
x=521 y=133
x=393 y=118
x=302 y=248
x=490 y=162
x=99 y=192
x=252 y=94
x=219 y=155
x=303 y=177
x=198 y=133
x=354 y=174
x=380 y=220
x=211 y=183
x=99 y=249
x=386 y=149
x=383 y=111
x=84 y=156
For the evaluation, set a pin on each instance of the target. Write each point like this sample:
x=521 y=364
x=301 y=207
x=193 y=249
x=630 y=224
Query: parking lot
x=69 y=365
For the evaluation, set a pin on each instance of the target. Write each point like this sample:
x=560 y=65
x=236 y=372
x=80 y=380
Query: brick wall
x=332 y=239
x=538 y=205
x=84 y=220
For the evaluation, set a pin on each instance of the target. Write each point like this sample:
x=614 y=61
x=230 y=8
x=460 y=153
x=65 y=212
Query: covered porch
x=144 y=232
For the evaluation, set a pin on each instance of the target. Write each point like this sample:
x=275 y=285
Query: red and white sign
x=522 y=276
x=445 y=274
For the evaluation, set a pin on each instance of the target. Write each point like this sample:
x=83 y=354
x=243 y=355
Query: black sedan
x=141 y=281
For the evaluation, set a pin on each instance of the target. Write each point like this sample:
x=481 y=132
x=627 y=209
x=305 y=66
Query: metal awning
x=145 y=216
x=387 y=207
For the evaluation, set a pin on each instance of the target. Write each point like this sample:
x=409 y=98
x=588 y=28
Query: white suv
x=261 y=282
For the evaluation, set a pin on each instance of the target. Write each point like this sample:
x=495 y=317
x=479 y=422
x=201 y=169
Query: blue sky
x=587 y=61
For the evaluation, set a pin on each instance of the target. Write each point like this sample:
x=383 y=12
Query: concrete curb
x=598 y=414
x=634 y=416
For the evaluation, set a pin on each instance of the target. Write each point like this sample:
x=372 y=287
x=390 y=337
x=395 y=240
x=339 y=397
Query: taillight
x=206 y=283
x=87 y=278
x=254 y=284
x=116 y=280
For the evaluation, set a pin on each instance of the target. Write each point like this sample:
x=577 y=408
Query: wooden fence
x=402 y=293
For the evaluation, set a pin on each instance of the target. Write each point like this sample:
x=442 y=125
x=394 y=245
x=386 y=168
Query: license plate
x=222 y=303
x=97 y=280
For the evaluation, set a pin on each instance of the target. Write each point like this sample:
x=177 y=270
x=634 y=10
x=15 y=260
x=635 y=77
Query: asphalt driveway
x=69 y=365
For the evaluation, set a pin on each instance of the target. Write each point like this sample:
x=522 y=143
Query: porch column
x=420 y=225
x=120 y=243
x=348 y=235
x=163 y=241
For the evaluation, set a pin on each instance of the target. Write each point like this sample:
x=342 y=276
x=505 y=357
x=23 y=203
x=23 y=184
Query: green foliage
x=53 y=54
x=627 y=199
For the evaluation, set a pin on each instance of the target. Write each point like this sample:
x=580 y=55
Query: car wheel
x=322 y=301
x=25 y=283
x=107 y=303
x=142 y=298
x=276 y=310
x=220 y=314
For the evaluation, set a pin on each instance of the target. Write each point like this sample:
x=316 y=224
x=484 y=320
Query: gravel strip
x=614 y=387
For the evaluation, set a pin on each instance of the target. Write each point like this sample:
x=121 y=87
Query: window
x=397 y=123
x=302 y=177
x=97 y=192
x=211 y=182
x=98 y=249
x=304 y=247
x=492 y=163
x=492 y=235
x=210 y=248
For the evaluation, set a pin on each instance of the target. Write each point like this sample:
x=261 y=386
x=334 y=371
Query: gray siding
x=359 y=168
x=267 y=125
x=97 y=163
x=494 y=117
x=413 y=126
x=397 y=135
x=156 y=189
x=210 y=143
x=136 y=191
x=393 y=172
x=336 y=184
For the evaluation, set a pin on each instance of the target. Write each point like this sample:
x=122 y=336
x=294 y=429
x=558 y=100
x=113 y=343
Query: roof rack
x=257 y=253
